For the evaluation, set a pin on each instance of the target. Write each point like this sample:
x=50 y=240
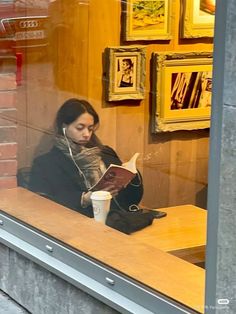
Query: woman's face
x=81 y=130
x=125 y=65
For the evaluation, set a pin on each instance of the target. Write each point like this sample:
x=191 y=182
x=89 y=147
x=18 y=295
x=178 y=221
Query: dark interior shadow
x=201 y=197
x=45 y=144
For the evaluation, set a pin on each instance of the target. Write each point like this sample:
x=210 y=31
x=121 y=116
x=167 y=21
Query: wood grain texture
x=72 y=65
x=182 y=232
x=156 y=269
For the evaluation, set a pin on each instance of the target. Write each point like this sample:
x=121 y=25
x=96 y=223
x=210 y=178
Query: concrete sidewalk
x=8 y=306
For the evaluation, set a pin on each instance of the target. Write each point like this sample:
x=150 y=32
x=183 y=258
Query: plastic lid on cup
x=101 y=195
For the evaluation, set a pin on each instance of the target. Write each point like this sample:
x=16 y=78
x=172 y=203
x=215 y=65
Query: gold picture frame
x=125 y=72
x=181 y=91
x=146 y=20
x=198 y=17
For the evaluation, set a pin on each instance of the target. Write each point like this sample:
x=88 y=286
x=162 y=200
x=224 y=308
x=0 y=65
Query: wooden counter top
x=182 y=232
x=176 y=278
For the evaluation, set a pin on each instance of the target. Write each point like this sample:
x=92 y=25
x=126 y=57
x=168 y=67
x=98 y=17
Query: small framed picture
x=197 y=18
x=182 y=87
x=146 y=20
x=125 y=73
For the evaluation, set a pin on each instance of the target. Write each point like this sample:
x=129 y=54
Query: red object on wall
x=19 y=61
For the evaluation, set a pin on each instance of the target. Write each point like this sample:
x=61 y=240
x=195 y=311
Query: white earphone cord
x=72 y=157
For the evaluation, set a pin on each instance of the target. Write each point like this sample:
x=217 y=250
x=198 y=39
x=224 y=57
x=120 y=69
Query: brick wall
x=8 y=118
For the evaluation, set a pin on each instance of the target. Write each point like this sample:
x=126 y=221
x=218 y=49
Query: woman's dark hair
x=71 y=110
x=128 y=61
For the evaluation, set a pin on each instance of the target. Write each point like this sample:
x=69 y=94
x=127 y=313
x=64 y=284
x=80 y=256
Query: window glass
x=128 y=84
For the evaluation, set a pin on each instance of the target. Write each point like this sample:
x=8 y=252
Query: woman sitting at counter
x=77 y=161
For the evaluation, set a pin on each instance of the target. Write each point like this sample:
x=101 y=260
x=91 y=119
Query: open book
x=118 y=176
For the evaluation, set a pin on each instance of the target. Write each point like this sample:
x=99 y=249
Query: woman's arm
x=133 y=193
x=38 y=182
x=51 y=181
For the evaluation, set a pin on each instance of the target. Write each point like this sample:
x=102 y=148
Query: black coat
x=55 y=176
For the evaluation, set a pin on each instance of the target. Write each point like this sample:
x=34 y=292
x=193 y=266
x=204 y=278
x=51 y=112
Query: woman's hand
x=112 y=189
x=86 y=197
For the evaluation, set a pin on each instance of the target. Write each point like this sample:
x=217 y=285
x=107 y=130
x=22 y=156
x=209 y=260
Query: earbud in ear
x=64 y=131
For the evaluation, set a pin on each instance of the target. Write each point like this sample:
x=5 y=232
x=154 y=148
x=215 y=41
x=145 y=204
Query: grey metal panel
x=215 y=155
x=104 y=283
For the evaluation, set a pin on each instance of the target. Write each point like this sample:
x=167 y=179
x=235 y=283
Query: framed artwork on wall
x=181 y=91
x=125 y=72
x=146 y=20
x=197 y=18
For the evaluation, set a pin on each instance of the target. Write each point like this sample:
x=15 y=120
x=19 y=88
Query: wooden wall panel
x=174 y=165
x=104 y=31
x=69 y=45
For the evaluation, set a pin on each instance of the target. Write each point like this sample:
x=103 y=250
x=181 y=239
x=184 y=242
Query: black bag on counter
x=128 y=221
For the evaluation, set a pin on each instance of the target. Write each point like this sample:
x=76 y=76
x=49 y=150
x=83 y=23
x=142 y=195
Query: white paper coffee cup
x=101 y=201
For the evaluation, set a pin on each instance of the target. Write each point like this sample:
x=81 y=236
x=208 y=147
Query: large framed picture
x=125 y=72
x=181 y=91
x=146 y=20
x=198 y=17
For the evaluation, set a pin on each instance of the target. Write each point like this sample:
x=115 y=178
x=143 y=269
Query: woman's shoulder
x=52 y=154
x=110 y=154
x=105 y=149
